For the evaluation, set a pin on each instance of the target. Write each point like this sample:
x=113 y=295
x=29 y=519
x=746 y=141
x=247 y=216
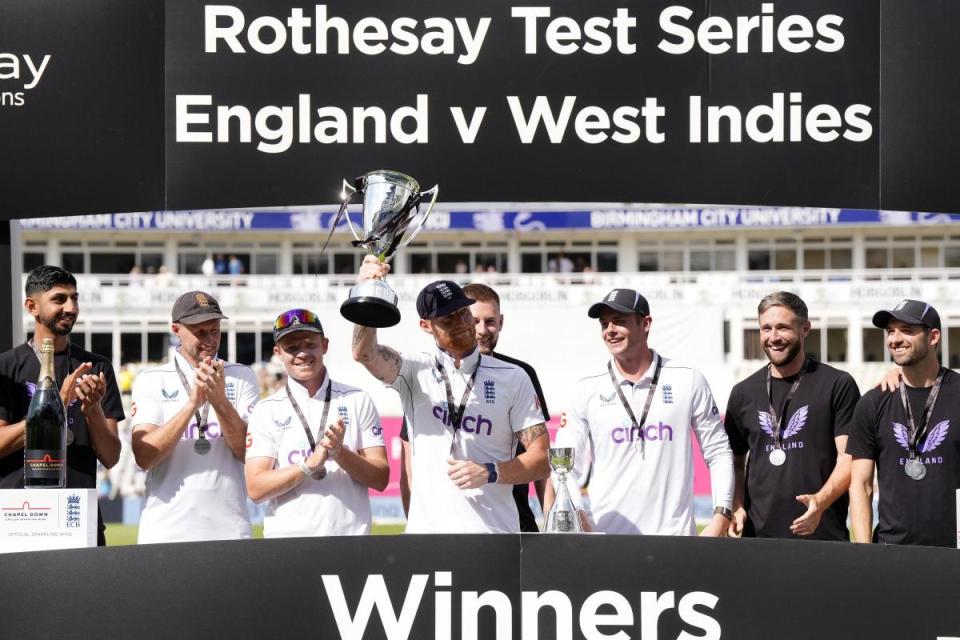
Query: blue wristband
x=491 y=472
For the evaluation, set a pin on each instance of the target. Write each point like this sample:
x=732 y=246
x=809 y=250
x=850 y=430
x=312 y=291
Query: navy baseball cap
x=296 y=320
x=622 y=300
x=195 y=307
x=441 y=298
x=910 y=311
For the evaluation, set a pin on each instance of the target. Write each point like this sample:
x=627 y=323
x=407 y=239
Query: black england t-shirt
x=19 y=369
x=821 y=410
x=921 y=512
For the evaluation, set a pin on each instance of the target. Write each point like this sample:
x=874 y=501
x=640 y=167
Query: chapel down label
x=45 y=449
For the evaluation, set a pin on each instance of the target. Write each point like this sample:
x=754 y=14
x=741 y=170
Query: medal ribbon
x=778 y=420
x=646 y=407
x=201 y=419
x=915 y=432
x=456 y=411
x=303 y=420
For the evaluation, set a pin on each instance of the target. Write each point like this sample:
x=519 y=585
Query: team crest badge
x=934 y=438
x=797 y=422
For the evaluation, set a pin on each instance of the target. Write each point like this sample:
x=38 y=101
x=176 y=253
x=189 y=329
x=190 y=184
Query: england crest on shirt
x=797 y=422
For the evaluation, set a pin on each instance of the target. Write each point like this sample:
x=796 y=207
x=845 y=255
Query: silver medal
x=69 y=437
x=778 y=457
x=915 y=469
x=202 y=446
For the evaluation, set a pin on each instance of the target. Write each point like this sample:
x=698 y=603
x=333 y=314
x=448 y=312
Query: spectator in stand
x=164 y=279
x=236 y=266
x=560 y=264
x=220 y=263
x=209 y=267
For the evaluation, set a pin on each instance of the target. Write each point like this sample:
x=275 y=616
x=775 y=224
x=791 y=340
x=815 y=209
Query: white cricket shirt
x=191 y=496
x=337 y=505
x=651 y=492
x=501 y=403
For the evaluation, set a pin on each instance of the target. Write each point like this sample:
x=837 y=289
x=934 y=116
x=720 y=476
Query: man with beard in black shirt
x=792 y=417
x=88 y=387
x=906 y=438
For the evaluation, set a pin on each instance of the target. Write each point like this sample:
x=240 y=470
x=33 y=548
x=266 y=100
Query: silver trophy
x=563 y=516
x=391 y=210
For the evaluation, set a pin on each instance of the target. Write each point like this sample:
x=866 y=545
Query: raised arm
x=383 y=362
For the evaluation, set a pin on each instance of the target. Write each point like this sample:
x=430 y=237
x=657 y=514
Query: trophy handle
x=422 y=219
x=346 y=194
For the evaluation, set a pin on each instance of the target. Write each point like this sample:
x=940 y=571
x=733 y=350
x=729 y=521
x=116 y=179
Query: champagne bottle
x=45 y=449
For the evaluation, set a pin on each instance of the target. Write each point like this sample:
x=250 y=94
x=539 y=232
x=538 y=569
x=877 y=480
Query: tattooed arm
x=383 y=362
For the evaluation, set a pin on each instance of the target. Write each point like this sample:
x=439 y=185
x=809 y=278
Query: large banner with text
x=496 y=587
x=115 y=106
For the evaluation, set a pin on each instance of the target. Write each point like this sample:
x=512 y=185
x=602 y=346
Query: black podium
x=492 y=587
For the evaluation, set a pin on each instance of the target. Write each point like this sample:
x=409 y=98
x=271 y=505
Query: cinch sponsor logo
x=299 y=454
x=470 y=424
x=192 y=432
x=659 y=431
x=639 y=613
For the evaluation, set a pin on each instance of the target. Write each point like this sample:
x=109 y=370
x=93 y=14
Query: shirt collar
x=467 y=364
x=647 y=375
x=300 y=391
x=185 y=365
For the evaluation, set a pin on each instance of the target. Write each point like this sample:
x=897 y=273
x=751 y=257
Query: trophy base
x=371 y=304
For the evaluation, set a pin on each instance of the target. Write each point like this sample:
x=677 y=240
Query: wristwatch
x=492 y=474
x=317 y=474
x=723 y=511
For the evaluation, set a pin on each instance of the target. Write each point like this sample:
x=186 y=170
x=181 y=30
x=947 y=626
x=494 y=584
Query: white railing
x=186 y=282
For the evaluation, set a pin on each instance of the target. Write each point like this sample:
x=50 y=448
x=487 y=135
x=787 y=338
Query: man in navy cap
x=465 y=413
x=905 y=437
x=636 y=420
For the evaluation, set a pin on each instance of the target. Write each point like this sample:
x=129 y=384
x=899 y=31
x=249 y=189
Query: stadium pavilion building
x=703 y=269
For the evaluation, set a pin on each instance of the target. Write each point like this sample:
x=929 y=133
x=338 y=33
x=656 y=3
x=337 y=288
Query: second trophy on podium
x=563 y=516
